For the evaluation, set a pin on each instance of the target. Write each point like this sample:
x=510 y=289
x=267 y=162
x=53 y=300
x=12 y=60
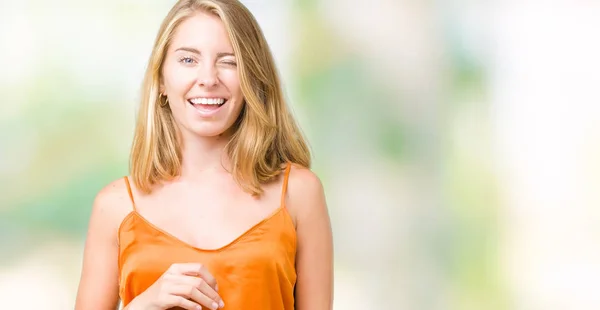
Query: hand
x=188 y=286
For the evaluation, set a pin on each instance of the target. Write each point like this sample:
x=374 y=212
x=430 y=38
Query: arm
x=98 y=286
x=314 y=258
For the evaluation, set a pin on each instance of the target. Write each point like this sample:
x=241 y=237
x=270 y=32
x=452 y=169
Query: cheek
x=232 y=82
x=176 y=79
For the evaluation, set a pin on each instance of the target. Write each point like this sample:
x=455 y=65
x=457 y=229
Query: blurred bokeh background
x=458 y=141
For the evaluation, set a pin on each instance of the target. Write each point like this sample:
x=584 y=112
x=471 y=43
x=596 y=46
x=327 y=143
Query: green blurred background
x=458 y=142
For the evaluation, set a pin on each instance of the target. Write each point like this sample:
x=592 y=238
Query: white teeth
x=207 y=100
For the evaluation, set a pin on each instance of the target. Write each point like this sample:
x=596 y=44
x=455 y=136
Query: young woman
x=220 y=210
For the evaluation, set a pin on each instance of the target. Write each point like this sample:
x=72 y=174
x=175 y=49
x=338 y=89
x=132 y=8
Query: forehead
x=202 y=30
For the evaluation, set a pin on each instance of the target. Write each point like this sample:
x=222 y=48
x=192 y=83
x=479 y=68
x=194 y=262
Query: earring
x=166 y=102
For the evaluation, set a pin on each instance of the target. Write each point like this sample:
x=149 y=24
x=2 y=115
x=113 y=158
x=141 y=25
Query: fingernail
x=198 y=308
x=221 y=304
x=215 y=306
x=216 y=287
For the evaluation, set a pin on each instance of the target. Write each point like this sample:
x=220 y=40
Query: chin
x=209 y=130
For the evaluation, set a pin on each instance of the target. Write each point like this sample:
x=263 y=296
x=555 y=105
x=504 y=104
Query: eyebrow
x=195 y=51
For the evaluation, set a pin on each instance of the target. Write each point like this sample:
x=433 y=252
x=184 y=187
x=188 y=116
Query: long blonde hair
x=266 y=134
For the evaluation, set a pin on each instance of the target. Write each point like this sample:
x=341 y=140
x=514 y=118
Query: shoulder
x=113 y=196
x=305 y=193
x=111 y=204
x=303 y=181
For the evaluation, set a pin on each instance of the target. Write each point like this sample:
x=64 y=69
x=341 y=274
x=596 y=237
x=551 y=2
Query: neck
x=204 y=154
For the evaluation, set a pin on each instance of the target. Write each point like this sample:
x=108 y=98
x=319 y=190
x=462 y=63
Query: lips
x=207 y=106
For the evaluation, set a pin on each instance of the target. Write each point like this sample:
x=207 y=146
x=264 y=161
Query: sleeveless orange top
x=254 y=271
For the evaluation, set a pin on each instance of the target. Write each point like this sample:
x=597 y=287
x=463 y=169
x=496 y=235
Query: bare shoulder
x=306 y=194
x=304 y=181
x=111 y=204
x=113 y=197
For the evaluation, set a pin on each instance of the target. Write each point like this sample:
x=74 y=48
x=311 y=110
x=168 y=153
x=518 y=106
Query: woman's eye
x=186 y=60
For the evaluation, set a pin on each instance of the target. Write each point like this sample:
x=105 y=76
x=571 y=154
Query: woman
x=221 y=210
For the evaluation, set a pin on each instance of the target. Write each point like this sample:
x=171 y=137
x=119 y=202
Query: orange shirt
x=254 y=271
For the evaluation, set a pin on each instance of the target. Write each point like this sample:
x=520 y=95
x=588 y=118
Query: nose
x=207 y=76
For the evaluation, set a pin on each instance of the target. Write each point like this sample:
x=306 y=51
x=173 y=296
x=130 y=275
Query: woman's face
x=200 y=77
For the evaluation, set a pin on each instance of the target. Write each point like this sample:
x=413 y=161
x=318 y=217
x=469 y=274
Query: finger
x=194 y=294
x=182 y=302
x=195 y=269
x=203 y=287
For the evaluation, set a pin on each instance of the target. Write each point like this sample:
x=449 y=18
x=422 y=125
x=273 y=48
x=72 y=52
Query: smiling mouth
x=207 y=104
x=208 y=101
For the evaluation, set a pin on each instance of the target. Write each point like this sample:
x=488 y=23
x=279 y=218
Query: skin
x=199 y=63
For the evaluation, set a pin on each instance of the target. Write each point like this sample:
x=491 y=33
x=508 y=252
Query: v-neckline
x=221 y=248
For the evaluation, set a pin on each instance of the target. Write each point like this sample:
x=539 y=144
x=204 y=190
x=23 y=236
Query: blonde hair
x=266 y=134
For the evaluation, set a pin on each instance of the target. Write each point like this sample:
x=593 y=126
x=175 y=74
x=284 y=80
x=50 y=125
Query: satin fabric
x=254 y=271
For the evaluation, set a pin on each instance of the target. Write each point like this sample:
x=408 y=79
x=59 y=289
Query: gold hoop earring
x=164 y=103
